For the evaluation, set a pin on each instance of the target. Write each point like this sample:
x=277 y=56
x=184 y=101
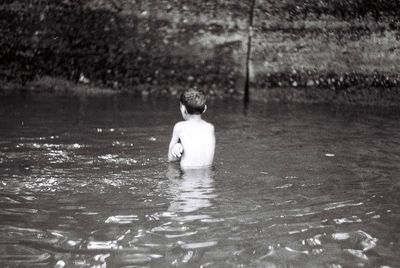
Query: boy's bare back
x=193 y=140
x=198 y=141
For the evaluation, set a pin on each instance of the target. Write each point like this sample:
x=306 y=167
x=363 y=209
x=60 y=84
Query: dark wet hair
x=194 y=100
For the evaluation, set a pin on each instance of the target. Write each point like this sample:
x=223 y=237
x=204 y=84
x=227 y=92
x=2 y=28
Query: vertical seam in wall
x=248 y=55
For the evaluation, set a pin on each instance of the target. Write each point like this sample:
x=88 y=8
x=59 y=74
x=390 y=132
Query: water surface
x=84 y=182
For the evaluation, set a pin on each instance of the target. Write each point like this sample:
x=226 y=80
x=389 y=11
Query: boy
x=193 y=140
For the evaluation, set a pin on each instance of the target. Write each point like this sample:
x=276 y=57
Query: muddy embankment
x=313 y=51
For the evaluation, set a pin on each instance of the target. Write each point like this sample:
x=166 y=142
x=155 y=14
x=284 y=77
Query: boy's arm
x=172 y=155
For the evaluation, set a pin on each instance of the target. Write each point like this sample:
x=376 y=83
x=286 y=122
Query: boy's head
x=194 y=101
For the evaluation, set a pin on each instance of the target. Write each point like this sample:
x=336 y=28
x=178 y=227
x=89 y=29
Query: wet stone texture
x=307 y=51
x=336 y=51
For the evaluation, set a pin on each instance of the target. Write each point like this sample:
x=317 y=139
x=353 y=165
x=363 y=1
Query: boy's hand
x=177 y=150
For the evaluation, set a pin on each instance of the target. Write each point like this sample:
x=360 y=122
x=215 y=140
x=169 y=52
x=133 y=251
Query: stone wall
x=306 y=51
x=335 y=51
x=155 y=47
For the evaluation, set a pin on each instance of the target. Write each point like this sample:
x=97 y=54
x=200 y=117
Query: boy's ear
x=205 y=108
x=183 y=109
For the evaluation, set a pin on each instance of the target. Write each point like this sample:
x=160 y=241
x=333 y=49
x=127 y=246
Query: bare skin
x=192 y=142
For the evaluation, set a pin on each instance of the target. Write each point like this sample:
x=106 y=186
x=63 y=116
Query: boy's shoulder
x=188 y=124
x=179 y=125
x=211 y=126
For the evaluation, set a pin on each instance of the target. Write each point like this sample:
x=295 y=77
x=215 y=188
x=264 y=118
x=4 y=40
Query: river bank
x=311 y=94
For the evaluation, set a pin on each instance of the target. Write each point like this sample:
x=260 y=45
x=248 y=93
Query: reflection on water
x=191 y=189
x=85 y=183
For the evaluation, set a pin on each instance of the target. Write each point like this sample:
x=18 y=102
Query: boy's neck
x=193 y=117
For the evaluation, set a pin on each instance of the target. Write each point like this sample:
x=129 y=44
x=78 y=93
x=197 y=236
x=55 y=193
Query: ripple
x=357 y=253
x=8 y=200
x=130 y=259
x=116 y=159
x=18 y=211
x=108 y=157
x=153 y=245
x=165 y=214
x=122 y=219
x=341 y=236
x=13 y=233
x=60 y=264
x=187 y=218
x=284 y=186
x=360 y=239
x=168 y=228
x=347 y=220
x=342 y=204
x=297 y=251
x=212 y=220
x=283 y=253
x=180 y=235
x=102 y=245
x=198 y=245
x=22 y=254
x=58 y=156
x=72 y=207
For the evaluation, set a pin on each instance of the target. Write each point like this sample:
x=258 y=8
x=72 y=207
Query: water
x=85 y=183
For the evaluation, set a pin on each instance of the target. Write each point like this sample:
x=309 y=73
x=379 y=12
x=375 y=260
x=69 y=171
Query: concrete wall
x=306 y=51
